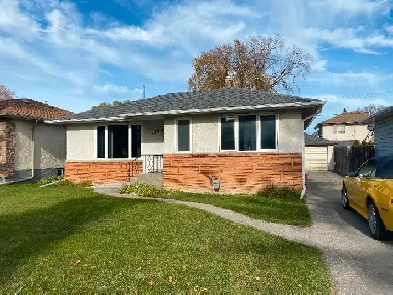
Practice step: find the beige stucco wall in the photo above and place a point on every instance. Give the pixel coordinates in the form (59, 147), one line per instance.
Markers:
(49, 145)
(205, 133)
(23, 145)
(352, 132)
(290, 132)
(153, 137)
(81, 142)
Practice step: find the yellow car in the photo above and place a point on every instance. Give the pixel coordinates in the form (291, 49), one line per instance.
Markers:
(369, 191)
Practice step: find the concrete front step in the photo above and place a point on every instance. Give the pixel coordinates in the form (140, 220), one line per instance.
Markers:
(150, 178)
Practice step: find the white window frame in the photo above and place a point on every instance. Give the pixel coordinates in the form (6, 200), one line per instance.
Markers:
(235, 131)
(106, 137)
(176, 134)
(336, 129)
(258, 132)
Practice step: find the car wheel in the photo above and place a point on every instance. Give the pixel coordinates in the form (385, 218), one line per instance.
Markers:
(375, 223)
(344, 198)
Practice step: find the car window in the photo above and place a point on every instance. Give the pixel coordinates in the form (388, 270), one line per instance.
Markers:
(367, 170)
(385, 171)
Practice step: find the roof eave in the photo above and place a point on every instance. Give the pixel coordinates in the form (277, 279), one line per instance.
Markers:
(90, 120)
(227, 109)
(190, 111)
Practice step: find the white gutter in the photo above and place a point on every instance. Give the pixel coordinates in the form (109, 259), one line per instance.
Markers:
(303, 193)
(192, 111)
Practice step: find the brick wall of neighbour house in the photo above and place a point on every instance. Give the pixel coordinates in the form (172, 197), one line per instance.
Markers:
(7, 148)
(240, 172)
(100, 171)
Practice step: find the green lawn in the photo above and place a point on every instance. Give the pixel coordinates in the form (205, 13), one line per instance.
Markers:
(59, 239)
(279, 210)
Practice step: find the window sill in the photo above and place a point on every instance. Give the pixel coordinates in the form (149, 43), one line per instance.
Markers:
(105, 160)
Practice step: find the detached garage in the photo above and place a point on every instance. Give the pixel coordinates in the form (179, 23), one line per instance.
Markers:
(318, 153)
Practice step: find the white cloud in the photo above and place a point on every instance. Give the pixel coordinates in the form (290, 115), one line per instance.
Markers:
(319, 65)
(351, 104)
(352, 6)
(351, 79)
(112, 88)
(50, 38)
(350, 38)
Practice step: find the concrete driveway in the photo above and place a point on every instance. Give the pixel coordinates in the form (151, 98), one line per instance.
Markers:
(359, 264)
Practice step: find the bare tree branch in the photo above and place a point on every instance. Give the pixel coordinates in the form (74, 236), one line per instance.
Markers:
(371, 109)
(6, 93)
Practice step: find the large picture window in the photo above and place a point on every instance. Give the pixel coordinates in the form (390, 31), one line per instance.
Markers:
(228, 133)
(117, 141)
(120, 141)
(183, 135)
(248, 132)
(268, 132)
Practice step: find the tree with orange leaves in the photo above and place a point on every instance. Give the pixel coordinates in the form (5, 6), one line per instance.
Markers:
(260, 62)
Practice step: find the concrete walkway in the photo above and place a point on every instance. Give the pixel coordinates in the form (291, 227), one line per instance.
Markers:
(358, 264)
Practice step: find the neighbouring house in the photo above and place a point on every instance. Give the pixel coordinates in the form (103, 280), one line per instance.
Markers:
(319, 153)
(345, 128)
(382, 125)
(245, 138)
(29, 147)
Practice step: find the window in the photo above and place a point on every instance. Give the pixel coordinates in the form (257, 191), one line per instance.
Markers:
(339, 129)
(117, 141)
(385, 171)
(101, 142)
(247, 133)
(367, 169)
(183, 135)
(228, 133)
(268, 132)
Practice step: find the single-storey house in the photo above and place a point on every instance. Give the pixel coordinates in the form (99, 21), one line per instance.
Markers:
(30, 148)
(319, 153)
(243, 137)
(382, 125)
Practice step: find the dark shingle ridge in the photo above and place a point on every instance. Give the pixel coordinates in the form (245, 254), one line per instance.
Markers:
(182, 101)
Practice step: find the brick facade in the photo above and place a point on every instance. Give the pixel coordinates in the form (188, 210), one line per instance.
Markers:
(7, 148)
(100, 171)
(237, 172)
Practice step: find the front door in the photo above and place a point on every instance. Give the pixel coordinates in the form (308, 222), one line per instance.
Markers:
(136, 132)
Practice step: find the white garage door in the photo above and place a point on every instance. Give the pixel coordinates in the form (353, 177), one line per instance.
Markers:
(316, 158)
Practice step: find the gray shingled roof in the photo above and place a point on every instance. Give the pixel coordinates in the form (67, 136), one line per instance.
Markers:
(314, 140)
(182, 101)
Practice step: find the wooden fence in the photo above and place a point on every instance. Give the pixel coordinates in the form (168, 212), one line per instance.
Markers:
(350, 158)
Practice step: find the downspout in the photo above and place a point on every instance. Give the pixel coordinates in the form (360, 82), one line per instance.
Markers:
(303, 193)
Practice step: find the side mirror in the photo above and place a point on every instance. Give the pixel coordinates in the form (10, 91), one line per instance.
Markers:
(351, 174)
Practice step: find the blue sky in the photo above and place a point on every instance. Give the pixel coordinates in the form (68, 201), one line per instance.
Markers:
(75, 54)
